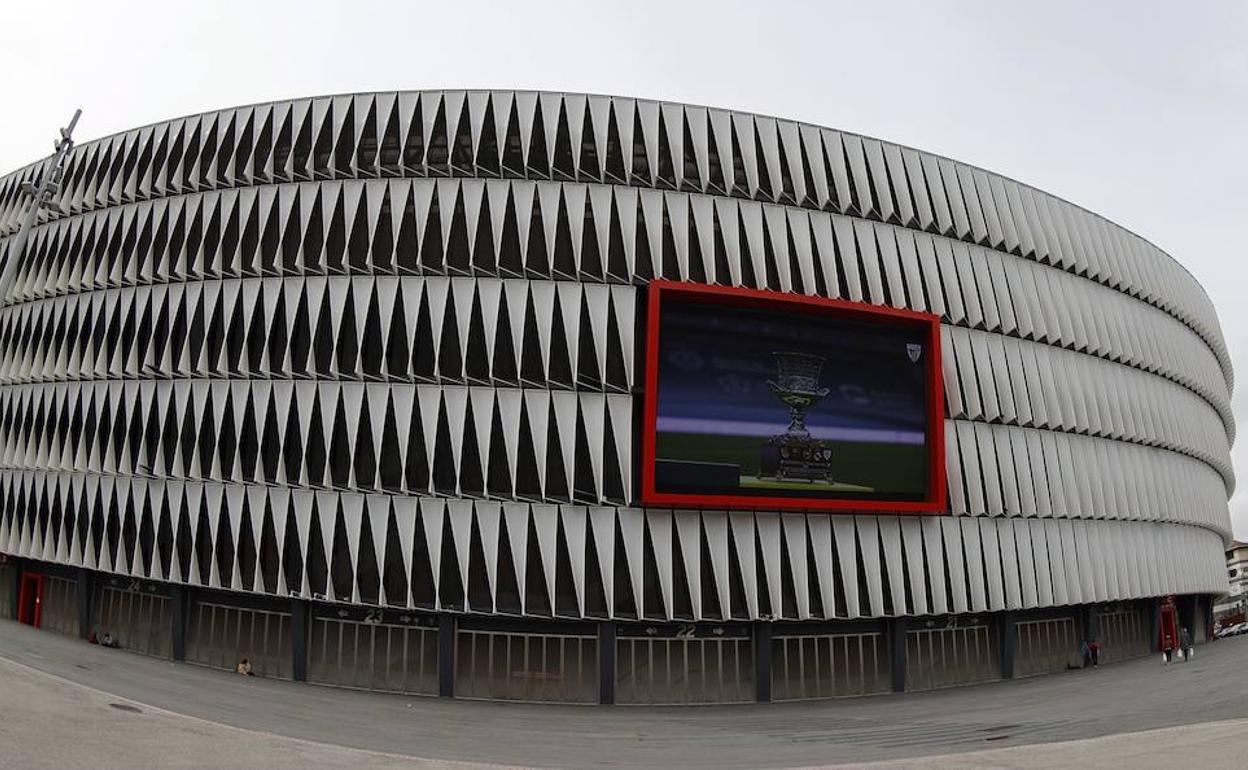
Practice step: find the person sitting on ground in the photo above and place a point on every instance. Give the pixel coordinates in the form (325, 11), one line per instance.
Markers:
(244, 668)
(107, 640)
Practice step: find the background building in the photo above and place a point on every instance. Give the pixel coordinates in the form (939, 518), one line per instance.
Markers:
(352, 386)
(1230, 608)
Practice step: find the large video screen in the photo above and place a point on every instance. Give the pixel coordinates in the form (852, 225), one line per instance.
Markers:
(789, 402)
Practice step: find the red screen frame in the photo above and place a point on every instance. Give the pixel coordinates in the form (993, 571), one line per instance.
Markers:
(933, 502)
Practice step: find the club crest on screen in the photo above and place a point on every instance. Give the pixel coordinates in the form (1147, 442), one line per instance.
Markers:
(913, 351)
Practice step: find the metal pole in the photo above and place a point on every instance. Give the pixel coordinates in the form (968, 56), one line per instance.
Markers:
(42, 195)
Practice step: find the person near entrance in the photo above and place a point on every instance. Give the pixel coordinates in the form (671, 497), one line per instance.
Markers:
(1185, 643)
(1090, 652)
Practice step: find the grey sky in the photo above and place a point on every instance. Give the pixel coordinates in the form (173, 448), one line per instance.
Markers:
(1135, 110)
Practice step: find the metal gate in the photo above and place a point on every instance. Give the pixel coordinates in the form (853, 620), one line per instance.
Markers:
(60, 605)
(951, 656)
(374, 656)
(685, 669)
(1124, 632)
(1045, 646)
(138, 620)
(219, 636)
(1199, 629)
(505, 665)
(829, 666)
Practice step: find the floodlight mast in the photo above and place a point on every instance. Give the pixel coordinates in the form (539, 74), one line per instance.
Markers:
(42, 195)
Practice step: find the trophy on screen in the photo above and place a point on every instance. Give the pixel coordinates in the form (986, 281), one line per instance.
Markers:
(794, 454)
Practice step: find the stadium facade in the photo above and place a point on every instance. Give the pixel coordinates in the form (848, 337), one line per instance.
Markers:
(356, 387)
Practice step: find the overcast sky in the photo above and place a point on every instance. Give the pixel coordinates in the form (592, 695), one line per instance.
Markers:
(1135, 110)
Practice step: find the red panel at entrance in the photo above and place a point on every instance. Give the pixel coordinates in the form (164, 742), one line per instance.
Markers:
(30, 600)
(1169, 638)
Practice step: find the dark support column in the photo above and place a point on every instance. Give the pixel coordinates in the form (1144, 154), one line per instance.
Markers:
(1009, 638)
(446, 656)
(16, 591)
(1155, 643)
(1091, 624)
(762, 661)
(897, 645)
(606, 662)
(86, 595)
(179, 596)
(300, 615)
(1207, 608)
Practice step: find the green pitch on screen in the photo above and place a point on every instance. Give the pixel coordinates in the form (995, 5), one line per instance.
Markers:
(754, 482)
(880, 467)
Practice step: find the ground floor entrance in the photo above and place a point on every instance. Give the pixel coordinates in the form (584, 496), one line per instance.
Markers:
(30, 599)
(422, 651)
(1120, 698)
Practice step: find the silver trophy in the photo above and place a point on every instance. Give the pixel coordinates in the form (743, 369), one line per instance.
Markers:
(794, 454)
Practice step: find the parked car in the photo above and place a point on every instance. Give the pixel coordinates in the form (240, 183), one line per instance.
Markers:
(1235, 629)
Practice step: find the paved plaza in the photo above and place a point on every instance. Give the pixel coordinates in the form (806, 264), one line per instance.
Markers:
(66, 703)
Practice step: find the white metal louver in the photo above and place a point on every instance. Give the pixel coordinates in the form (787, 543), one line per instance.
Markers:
(454, 343)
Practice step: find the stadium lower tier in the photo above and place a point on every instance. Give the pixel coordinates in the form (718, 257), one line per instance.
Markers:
(415, 652)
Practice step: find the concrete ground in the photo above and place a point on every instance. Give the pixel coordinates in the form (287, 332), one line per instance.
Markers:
(49, 722)
(66, 703)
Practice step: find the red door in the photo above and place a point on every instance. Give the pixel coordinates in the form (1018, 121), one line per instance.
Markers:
(1169, 625)
(30, 600)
